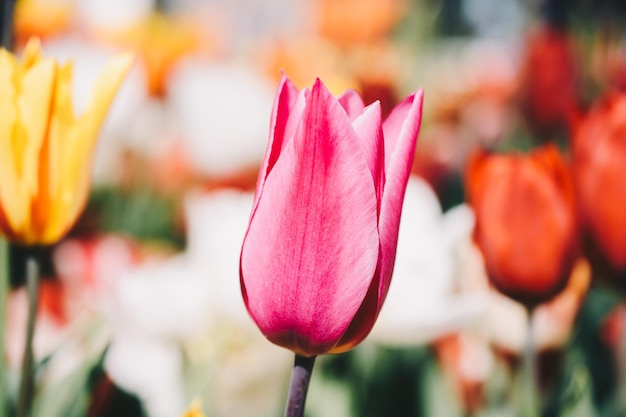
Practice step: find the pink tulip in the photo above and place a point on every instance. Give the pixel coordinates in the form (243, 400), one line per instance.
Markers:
(318, 255)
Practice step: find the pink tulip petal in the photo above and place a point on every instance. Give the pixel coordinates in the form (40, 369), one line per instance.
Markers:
(352, 102)
(311, 249)
(295, 115)
(368, 127)
(398, 120)
(286, 96)
(363, 321)
(401, 129)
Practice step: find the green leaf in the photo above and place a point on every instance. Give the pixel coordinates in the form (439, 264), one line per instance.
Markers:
(70, 396)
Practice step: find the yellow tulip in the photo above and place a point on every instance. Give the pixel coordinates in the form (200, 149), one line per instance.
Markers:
(45, 150)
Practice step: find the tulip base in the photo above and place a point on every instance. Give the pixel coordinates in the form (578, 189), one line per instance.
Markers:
(299, 385)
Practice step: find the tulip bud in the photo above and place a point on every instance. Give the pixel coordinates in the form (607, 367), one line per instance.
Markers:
(526, 224)
(319, 251)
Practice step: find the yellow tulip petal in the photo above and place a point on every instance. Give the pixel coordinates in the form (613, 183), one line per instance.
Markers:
(62, 123)
(105, 89)
(79, 145)
(63, 107)
(12, 200)
(32, 53)
(26, 138)
(76, 140)
(34, 106)
(59, 190)
(70, 190)
(8, 95)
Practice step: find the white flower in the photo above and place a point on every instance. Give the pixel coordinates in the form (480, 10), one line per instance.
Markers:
(216, 224)
(191, 306)
(223, 112)
(423, 301)
(157, 308)
(111, 14)
(151, 369)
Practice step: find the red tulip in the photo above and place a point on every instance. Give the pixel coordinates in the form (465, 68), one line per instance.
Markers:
(550, 80)
(319, 251)
(600, 177)
(526, 224)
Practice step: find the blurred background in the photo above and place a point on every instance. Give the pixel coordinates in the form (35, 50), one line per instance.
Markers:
(140, 308)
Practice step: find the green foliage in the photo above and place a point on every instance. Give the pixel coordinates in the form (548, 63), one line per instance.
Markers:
(139, 212)
(74, 394)
(580, 380)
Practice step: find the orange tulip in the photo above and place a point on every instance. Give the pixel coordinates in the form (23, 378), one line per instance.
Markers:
(526, 223)
(41, 18)
(599, 151)
(160, 43)
(356, 21)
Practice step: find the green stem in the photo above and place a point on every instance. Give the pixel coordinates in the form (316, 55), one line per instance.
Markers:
(620, 359)
(531, 403)
(27, 382)
(299, 385)
(4, 295)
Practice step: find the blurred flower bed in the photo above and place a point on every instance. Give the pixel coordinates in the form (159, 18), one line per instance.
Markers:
(140, 305)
